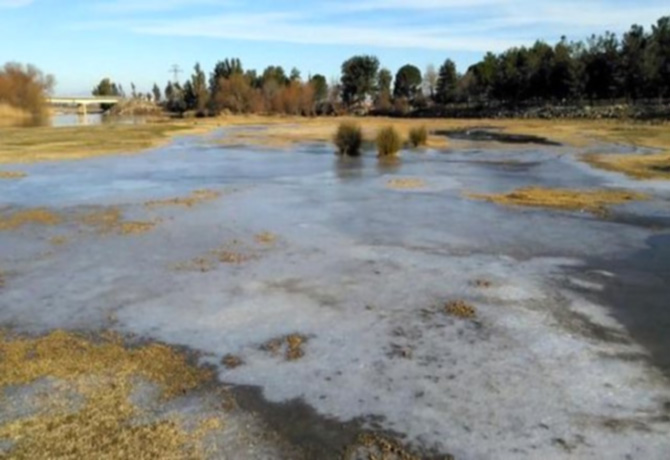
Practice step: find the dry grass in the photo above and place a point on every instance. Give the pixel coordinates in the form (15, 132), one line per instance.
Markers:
(461, 309)
(12, 175)
(58, 240)
(232, 253)
(110, 220)
(38, 216)
(371, 446)
(389, 141)
(406, 184)
(282, 132)
(196, 197)
(594, 201)
(637, 166)
(107, 423)
(28, 145)
(232, 361)
(267, 238)
(290, 346)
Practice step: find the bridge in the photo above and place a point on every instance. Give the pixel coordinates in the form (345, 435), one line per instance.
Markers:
(84, 102)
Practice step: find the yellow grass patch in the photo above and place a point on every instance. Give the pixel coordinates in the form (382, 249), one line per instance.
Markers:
(37, 216)
(196, 197)
(461, 309)
(595, 201)
(28, 145)
(405, 184)
(232, 361)
(637, 166)
(290, 346)
(372, 446)
(110, 220)
(12, 175)
(106, 424)
(266, 238)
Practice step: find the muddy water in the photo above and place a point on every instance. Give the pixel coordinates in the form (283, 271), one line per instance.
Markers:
(568, 339)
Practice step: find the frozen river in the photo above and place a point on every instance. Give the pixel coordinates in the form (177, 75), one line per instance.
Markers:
(568, 356)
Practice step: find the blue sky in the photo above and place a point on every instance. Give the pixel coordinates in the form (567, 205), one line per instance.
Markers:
(82, 41)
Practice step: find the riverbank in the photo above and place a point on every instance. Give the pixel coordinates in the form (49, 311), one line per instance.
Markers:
(29, 145)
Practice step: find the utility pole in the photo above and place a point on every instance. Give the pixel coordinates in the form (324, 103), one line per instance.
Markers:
(175, 70)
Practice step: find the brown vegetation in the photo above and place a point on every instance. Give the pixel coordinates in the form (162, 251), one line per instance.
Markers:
(37, 216)
(461, 309)
(348, 139)
(12, 175)
(24, 88)
(418, 136)
(290, 346)
(21, 145)
(372, 446)
(405, 184)
(594, 201)
(110, 220)
(196, 197)
(103, 375)
(388, 141)
(236, 94)
(232, 361)
(637, 166)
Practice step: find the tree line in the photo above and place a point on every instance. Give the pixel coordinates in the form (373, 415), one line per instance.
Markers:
(604, 67)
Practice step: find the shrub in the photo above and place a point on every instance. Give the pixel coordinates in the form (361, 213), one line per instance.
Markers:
(348, 139)
(388, 141)
(418, 136)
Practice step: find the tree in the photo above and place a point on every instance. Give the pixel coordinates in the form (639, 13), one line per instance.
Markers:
(447, 83)
(563, 79)
(407, 82)
(174, 98)
(430, 81)
(234, 94)
(156, 93)
(601, 67)
(106, 88)
(133, 90)
(224, 70)
(25, 88)
(275, 73)
(320, 86)
(196, 91)
(358, 79)
(658, 57)
(384, 80)
(633, 48)
(295, 75)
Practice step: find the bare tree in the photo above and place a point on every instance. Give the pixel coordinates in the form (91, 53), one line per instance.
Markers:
(430, 81)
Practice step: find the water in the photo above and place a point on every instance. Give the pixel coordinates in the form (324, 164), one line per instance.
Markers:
(363, 271)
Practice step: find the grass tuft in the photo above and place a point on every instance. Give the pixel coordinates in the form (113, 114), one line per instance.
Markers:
(389, 141)
(418, 136)
(594, 201)
(348, 139)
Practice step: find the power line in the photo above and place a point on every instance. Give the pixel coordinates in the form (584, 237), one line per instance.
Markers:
(176, 70)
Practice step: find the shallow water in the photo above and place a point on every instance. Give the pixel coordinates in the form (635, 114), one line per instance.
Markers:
(552, 362)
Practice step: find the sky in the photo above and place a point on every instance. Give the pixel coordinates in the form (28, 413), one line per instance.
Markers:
(82, 41)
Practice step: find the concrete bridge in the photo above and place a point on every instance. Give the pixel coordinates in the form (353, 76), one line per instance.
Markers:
(84, 102)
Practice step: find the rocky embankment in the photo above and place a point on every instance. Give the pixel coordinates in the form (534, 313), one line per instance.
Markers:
(548, 112)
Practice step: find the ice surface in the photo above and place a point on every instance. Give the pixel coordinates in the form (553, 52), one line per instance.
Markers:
(363, 272)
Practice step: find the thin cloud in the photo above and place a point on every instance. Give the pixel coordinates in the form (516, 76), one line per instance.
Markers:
(443, 25)
(14, 3)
